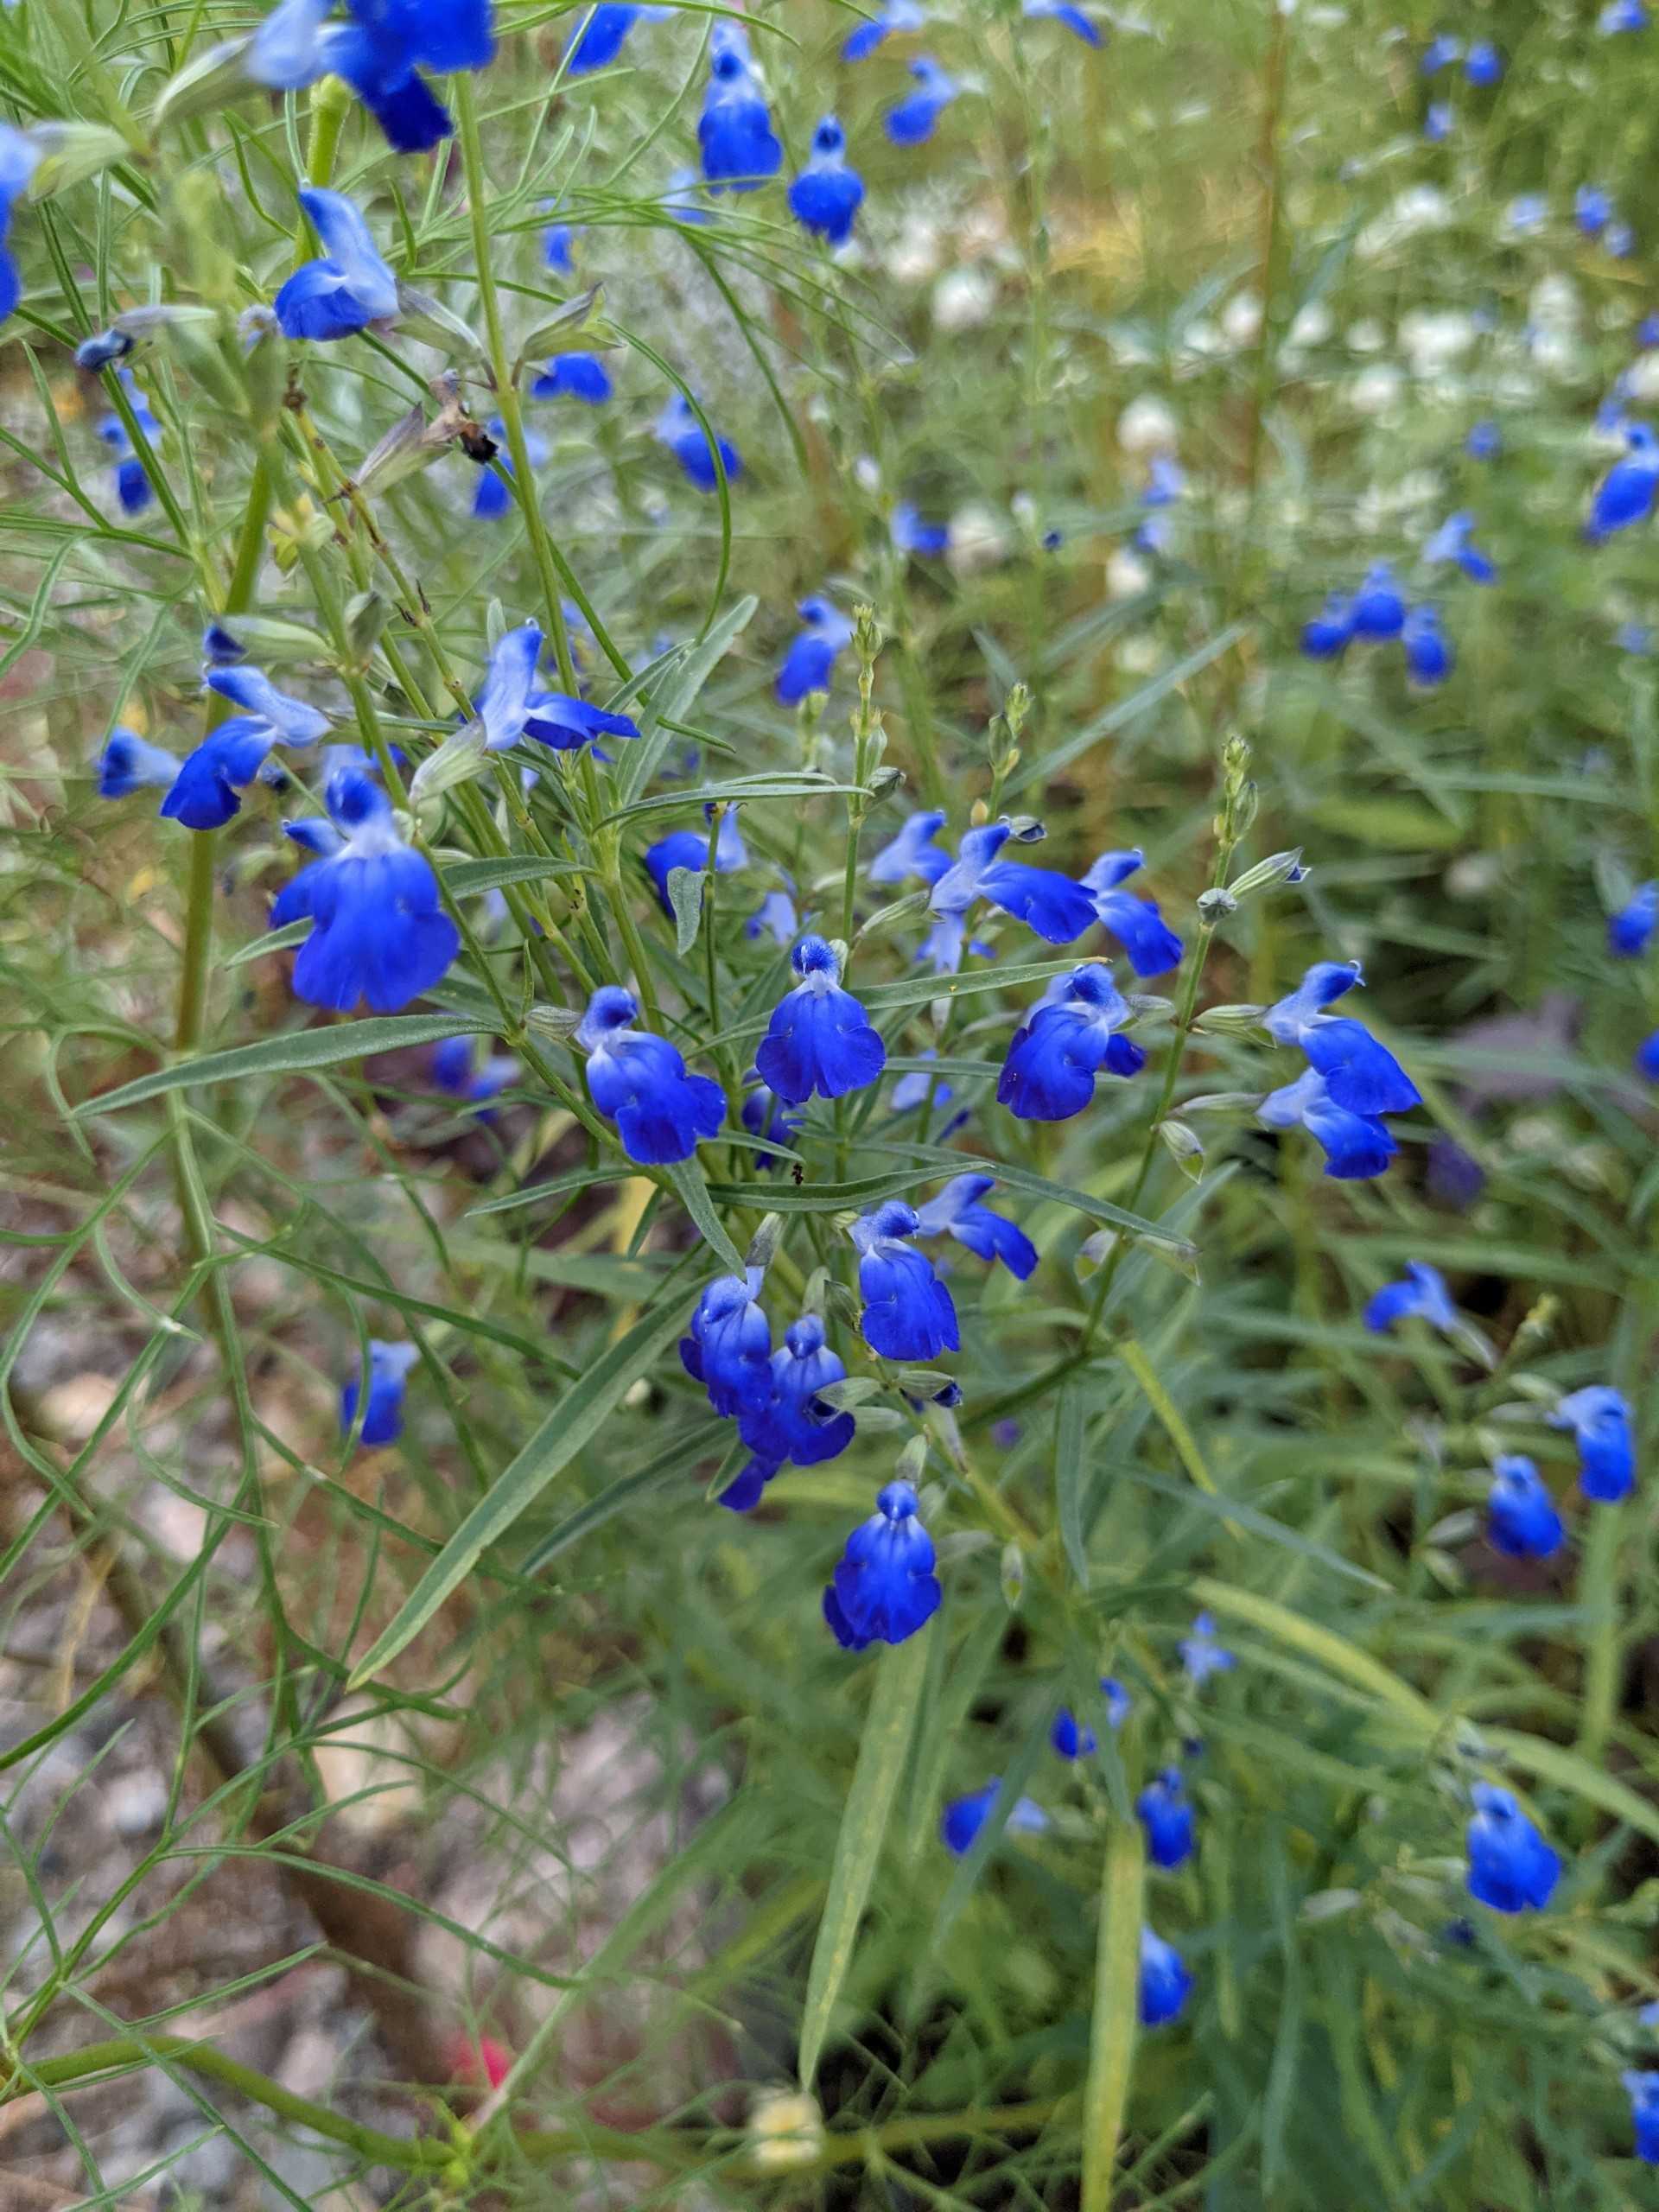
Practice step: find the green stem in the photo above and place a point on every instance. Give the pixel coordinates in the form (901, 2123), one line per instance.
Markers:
(1598, 1594)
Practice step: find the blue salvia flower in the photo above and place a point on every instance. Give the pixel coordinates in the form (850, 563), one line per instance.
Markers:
(894, 15)
(775, 917)
(127, 763)
(1439, 122)
(956, 1212)
(207, 790)
(809, 665)
(1455, 541)
(1165, 1980)
(252, 691)
(132, 483)
(912, 857)
(1058, 909)
(678, 428)
(1631, 930)
(383, 1414)
(1361, 1075)
(912, 1090)
(220, 646)
(819, 1038)
(1526, 213)
(455, 1069)
(1619, 238)
(739, 148)
(1062, 11)
(1063, 1043)
(908, 1313)
(103, 348)
(557, 242)
(19, 156)
(681, 199)
(1165, 1813)
(1152, 946)
(728, 1349)
(825, 197)
(378, 930)
(686, 849)
(1441, 52)
(1625, 494)
(964, 1817)
(1483, 64)
(884, 1587)
(639, 1081)
(1599, 1418)
(1484, 442)
(1642, 2088)
(1521, 1522)
(348, 289)
(1423, 1295)
(766, 1115)
(602, 36)
(1378, 611)
(1647, 1058)
(491, 497)
(795, 1424)
(1201, 1654)
(1634, 638)
(379, 52)
(574, 375)
(1621, 15)
(911, 534)
(910, 122)
(1326, 635)
(1356, 1145)
(511, 707)
(1072, 1740)
(1512, 1868)
(1592, 210)
(1429, 656)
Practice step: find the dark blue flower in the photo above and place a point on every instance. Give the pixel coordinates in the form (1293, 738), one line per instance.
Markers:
(511, 708)
(378, 930)
(1439, 122)
(1599, 1418)
(379, 52)
(1378, 611)
(1441, 52)
(207, 791)
(908, 1313)
(491, 497)
(884, 1588)
(809, 663)
(1326, 636)
(912, 1091)
(766, 1115)
(574, 375)
(740, 148)
(1454, 541)
(557, 240)
(601, 36)
(1647, 1058)
(132, 483)
(127, 763)
(910, 122)
(1592, 210)
(893, 15)
(911, 534)
(912, 857)
(964, 1817)
(1521, 1520)
(1484, 442)
(678, 428)
(455, 1069)
(19, 155)
(795, 1424)
(1062, 11)
(639, 1081)
(1163, 1811)
(1202, 1655)
(1625, 495)
(251, 689)
(346, 289)
(1356, 1145)
(686, 849)
(775, 917)
(1642, 2088)
(956, 1212)
(1066, 1040)
(1165, 1980)
(1423, 1295)
(1361, 1076)
(1072, 1738)
(825, 197)
(1058, 909)
(819, 1038)
(383, 1415)
(1512, 1868)
(729, 1347)
(1629, 930)
(1152, 946)
(1429, 656)
(1483, 64)
(1621, 15)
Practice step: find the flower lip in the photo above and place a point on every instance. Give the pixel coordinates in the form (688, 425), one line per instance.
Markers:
(813, 956)
(610, 1008)
(897, 1501)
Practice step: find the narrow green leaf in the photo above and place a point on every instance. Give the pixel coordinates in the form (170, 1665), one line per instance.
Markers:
(1331, 1651)
(687, 1179)
(273, 941)
(1070, 1479)
(555, 1186)
(616, 1496)
(685, 896)
(575, 1420)
(292, 1053)
(463, 878)
(1117, 1992)
(672, 700)
(882, 1754)
(1047, 765)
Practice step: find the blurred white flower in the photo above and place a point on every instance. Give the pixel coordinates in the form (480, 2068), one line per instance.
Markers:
(1241, 320)
(1432, 339)
(1147, 425)
(786, 2130)
(1127, 574)
(1641, 378)
(1311, 325)
(1558, 353)
(1553, 303)
(867, 472)
(1202, 337)
(1140, 655)
(977, 540)
(1419, 208)
(1366, 336)
(915, 255)
(963, 298)
(1377, 390)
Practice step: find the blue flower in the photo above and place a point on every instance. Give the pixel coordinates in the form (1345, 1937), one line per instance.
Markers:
(127, 763)
(379, 52)
(956, 1212)
(492, 498)
(511, 708)
(795, 1424)
(1599, 1418)
(1521, 1520)
(1361, 1076)
(1592, 210)
(825, 197)
(557, 240)
(383, 1416)
(1062, 11)
(912, 1090)
(1439, 53)
(1484, 442)
(678, 428)
(1629, 930)
(910, 122)
(252, 691)
(908, 1313)
(207, 791)
(912, 857)
(819, 1038)
(378, 930)
(1163, 1811)
(1439, 122)
(1619, 240)
(809, 664)
(1621, 15)
(1356, 1145)
(893, 15)
(1326, 636)
(686, 849)
(132, 483)
(884, 1587)
(740, 148)
(639, 1081)
(1527, 213)
(775, 917)
(574, 375)
(1455, 541)
(349, 288)
(911, 535)
(1066, 1040)
(766, 1115)
(1152, 947)
(1202, 1655)
(1625, 495)
(1165, 1980)
(1512, 1868)
(1378, 611)
(1482, 65)
(1058, 909)
(454, 1069)
(1647, 1058)
(1642, 2088)
(729, 1347)
(1072, 1739)
(602, 37)
(1429, 656)
(1423, 1294)
(18, 157)
(964, 1817)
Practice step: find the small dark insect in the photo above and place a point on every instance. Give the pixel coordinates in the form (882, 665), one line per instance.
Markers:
(798, 1174)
